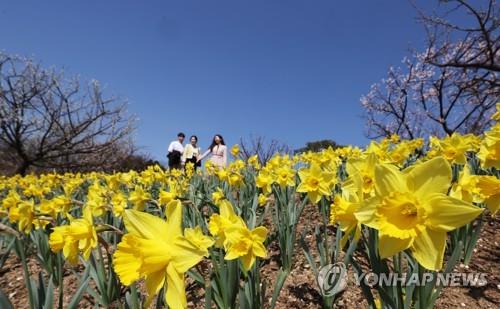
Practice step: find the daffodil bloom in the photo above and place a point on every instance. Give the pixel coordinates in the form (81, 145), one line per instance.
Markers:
(59, 204)
(119, 202)
(489, 189)
(235, 150)
(254, 162)
(489, 151)
(262, 199)
(453, 148)
(245, 244)
(11, 200)
(166, 197)
(219, 223)
(222, 174)
(196, 237)
(411, 210)
(218, 196)
(365, 167)
(344, 207)
(96, 199)
(264, 181)
(79, 235)
(285, 176)
(235, 179)
(466, 188)
(139, 197)
(156, 250)
(24, 215)
(315, 182)
(400, 153)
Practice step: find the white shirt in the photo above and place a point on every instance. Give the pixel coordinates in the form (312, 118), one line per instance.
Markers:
(175, 145)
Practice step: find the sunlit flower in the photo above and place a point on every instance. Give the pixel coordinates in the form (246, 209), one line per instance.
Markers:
(245, 244)
(157, 251)
(412, 211)
(139, 197)
(315, 182)
(235, 150)
(79, 236)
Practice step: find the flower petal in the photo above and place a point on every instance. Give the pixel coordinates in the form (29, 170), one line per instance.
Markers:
(127, 261)
(389, 179)
(388, 246)
(144, 225)
(248, 260)
(259, 249)
(445, 213)
(176, 292)
(154, 283)
(366, 212)
(259, 234)
(185, 255)
(433, 176)
(428, 249)
(174, 218)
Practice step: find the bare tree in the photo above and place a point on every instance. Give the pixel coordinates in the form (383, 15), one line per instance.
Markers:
(50, 122)
(450, 87)
(257, 145)
(459, 46)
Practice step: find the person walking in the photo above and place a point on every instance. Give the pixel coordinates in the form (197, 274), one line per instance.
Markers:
(175, 151)
(218, 150)
(191, 152)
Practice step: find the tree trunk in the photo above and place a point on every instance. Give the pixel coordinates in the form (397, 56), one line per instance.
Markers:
(23, 168)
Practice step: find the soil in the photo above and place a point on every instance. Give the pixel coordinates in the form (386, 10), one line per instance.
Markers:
(300, 289)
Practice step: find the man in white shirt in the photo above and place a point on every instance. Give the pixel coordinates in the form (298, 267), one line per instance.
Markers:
(175, 150)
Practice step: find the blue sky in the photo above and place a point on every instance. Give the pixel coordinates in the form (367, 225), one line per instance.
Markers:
(289, 70)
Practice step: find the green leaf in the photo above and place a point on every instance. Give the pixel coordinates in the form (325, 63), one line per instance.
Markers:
(49, 297)
(81, 290)
(4, 301)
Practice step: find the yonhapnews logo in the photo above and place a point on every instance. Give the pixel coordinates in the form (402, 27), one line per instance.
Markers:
(332, 279)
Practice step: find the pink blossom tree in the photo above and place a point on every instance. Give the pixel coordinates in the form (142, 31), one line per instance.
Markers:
(452, 86)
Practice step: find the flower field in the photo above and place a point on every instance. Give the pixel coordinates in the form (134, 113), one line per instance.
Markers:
(141, 239)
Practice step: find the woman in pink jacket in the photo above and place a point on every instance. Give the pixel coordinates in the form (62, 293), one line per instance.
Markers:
(218, 151)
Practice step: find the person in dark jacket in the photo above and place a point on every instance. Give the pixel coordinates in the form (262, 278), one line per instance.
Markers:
(175, 150)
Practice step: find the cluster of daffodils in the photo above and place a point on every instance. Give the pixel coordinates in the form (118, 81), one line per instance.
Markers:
(410, 194)
(232, 233)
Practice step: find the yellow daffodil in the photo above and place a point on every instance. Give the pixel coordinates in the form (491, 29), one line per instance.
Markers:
(315, 182)
(166, 197)
(119, 202)
(262, 199)
(254, 162)
(489, 151)
(264, 181)
(344, 207)
(79, 236)
(218, 196)
(411, 210)
(245, 244)
(157, 250)
(466, 187)
(285, 176)
(200, 240)
(489, 189)
(235, 150)
(139, 197)
(219, 223)
(365, 167)
(454, 148)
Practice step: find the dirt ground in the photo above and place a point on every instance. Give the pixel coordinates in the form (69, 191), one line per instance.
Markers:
(300, 289)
